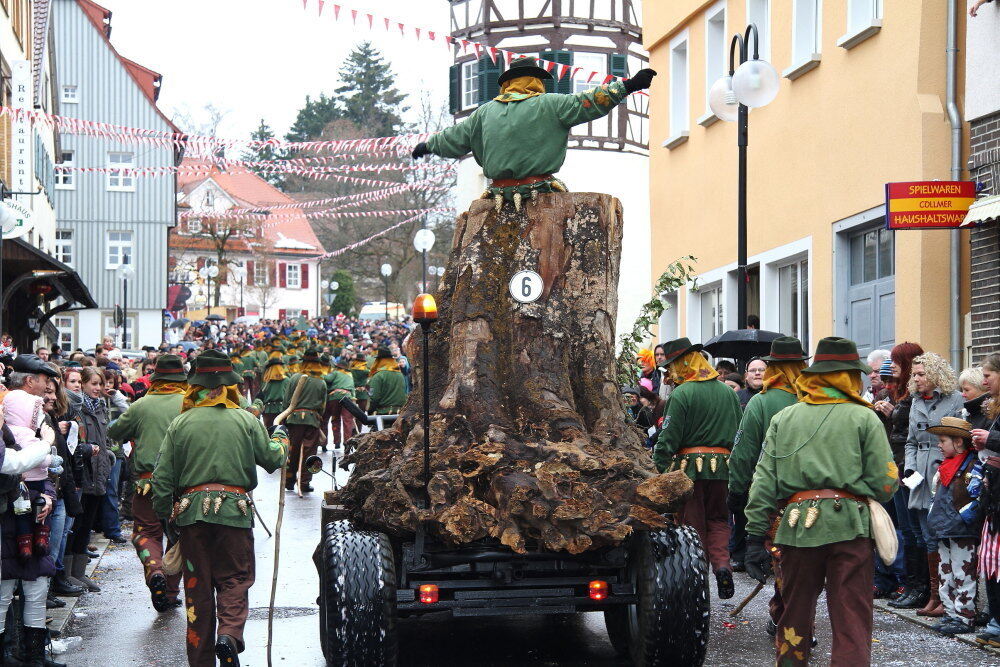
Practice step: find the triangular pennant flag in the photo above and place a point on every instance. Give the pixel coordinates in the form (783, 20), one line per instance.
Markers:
(562, 71)
(320, 7)
(386, 21)
(576, 70)
(431, 35)
(591, 77)
(417, 31)
(493, 54)
(465, 46)
(371, 21)
(336, 12)
(478, 48)
(449, 41)
(402, 29)
(354, 16)
(609, 79)
(304, 3)
(509, 57)
(547, 65)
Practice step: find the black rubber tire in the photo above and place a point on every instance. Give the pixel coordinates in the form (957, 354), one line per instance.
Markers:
(670, 623)
(357, 600)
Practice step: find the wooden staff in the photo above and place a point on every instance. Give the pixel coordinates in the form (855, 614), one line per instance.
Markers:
(746, 600)
(281, 514)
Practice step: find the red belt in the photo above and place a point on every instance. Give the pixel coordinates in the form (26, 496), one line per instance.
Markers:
(702, 450)
(511, 182)
(820, 494)
(145, 475)
(215, 487)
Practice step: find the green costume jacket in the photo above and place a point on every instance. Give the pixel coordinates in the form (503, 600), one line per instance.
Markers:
(144, 423)
(526, 136)
(272, 395)
(312, 401)
(750, 438)
(360, 376)
(239, 367)
(698, 414)
(388, 391)
(339, 385)
(214, 445)
(810, 447)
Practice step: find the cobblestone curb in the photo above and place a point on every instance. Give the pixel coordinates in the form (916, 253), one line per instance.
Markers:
(61, 617)
(911, 616)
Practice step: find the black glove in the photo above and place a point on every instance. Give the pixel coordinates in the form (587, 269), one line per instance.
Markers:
(737, 502)
(758, 560)
(359, 415)
(420, 150)
(640, 81)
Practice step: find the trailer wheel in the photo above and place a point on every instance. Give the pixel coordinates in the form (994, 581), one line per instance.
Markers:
(669, 624)
(357, 598)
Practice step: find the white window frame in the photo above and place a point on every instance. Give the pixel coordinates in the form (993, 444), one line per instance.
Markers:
(120, 249)
(66, 179)
(193, 226)
(864, 20)
(470, 84)
(115, 332)
(293, 313)
(716, 53)
(64, 246)
(260, 274)
(680, 90)
(807, 37)
(670, 324)
(802, 305)
(589, 62)
(704, 296)
(289, 283)
(759, 12)
(65, 326)
(117, 162)
(70, 94)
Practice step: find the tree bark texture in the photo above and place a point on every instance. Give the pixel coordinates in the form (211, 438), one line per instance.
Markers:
(529, 439)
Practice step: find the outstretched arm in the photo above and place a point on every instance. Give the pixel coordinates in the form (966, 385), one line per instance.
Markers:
(597, 102)
(453, 142)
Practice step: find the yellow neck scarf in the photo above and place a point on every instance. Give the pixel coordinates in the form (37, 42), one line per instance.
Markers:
(359, 366)
(276, 372)
(520, 88)
(167, 387)
(384, 365)
(782, 375)
(827, 388)
(691, 367)
(196, 396)
(274, 354)
(313, 369)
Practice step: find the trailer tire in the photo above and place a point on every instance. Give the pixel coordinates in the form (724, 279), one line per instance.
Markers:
(357, 600)
(669, 623)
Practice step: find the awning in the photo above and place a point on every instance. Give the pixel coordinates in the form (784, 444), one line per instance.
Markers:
(983, 210)
(29, 264)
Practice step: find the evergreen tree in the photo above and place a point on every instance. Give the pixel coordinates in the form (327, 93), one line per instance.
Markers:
(263, 153)
(346, 300)
(368, 96)
(313, 118)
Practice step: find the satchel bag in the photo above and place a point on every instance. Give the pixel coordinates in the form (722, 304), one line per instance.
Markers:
(883, 532)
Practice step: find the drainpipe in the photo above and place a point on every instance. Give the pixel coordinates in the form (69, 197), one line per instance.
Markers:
(955, 119)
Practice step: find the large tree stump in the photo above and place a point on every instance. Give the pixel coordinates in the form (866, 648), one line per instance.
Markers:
(529, 439)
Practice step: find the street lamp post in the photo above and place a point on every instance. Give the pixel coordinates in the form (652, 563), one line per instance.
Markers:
(125, 272)
(425, 314)
(386, 272)
(754, 83)
(319, 293)
(423, 241)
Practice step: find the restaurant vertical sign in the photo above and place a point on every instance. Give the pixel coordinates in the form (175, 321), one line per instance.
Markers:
(21, 144)
(928, 204)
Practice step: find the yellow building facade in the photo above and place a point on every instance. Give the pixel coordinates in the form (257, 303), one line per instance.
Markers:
(861, 103)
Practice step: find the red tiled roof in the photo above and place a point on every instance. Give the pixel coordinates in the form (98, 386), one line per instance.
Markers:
(250, 190)
(147, 80)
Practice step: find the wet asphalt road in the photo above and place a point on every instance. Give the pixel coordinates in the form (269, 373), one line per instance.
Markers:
(119, 627)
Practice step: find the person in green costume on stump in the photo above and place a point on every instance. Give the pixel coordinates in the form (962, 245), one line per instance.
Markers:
(209, 460)
(145, 424)
(823, 458)
(519, 138)
(700, 420)
(784, 366)
(306, 419)
(387, 385)
(272, 391)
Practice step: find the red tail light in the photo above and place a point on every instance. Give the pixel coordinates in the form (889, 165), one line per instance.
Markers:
(428, 593)
(598, 589)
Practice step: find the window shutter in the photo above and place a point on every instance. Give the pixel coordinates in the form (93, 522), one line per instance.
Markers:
(564, 85)
(455, 88)
(281, 313)
(250, 270)
(304, 272)
(305, 314)
(488, 73)
(618, 65)
(281, 274)
(200, 263)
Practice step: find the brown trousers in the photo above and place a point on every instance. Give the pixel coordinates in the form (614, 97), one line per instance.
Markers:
(706, 511)
(303, 442)
(338, 417)
(268, 418)
(847, 572)
(218, 573)
(148, 540)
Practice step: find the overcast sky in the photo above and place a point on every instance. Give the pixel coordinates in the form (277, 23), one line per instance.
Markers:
(260, 58)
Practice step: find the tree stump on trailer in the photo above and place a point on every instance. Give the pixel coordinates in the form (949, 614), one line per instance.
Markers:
(529, 439)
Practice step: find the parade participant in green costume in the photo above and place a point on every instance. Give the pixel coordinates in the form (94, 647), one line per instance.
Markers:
(784, 366)
(145, 423)
(519, 138)
(305, 420)
(272, 390)
(822, 459)
(359, 371)
(340, 385)
(387, 385)
(699, 423)
(209, 460)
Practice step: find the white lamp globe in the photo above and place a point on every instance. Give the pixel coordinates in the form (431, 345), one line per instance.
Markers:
(386, 270)
(334, 285)
(423, 240)
(755, 83)
(722, 101)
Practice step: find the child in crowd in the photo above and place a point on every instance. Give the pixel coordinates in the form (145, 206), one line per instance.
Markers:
(954, 519)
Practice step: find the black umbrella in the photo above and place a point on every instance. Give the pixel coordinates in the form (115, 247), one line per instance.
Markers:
(741, 344)
(177, 324)
(216, 318)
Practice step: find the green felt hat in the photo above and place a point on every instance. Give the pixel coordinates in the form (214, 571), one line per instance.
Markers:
(678, 348)
(526, 66)
(342, 362)
(212, 369)
(276, 361)
(786, 348)
(312, 354)
(168, 367)
(836, 354)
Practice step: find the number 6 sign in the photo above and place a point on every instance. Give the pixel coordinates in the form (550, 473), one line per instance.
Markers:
(526, 286)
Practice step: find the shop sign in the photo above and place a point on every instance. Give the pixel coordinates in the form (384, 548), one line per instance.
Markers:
(928, 204)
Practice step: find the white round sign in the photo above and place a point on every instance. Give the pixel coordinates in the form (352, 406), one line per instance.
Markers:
(16, 218)
(526, 286)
